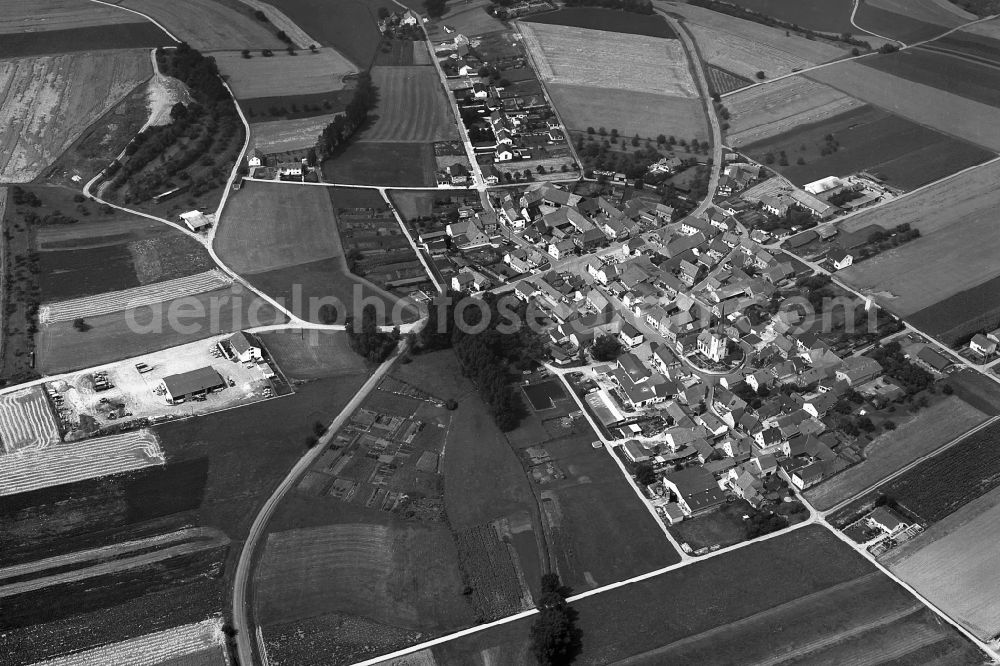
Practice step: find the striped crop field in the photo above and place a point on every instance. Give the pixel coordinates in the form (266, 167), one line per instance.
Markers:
(201, 643)
(59, 464)
(26, 421)
(149, 294)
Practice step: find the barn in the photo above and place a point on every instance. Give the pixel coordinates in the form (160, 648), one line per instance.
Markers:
(196, 382)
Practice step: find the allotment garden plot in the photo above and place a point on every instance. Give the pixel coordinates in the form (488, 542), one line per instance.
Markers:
(73, 89)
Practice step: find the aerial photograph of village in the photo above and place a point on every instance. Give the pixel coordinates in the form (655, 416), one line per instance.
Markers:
(499, 332)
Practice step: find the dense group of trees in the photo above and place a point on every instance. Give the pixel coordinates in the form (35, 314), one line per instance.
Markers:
(634, 6)
(367, 340)
(757, 17)
(197, 132)
(606, 348)
(896, 365)
(487, 351)
(555, 638)
(354, 116)
(436, 8)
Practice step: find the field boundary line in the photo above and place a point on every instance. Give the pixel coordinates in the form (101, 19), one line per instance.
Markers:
(145, 16)
(854, 11)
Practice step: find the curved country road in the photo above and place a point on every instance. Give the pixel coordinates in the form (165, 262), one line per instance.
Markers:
(242, 612)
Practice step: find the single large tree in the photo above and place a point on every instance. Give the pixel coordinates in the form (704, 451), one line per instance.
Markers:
(555, 639)
(606, 348)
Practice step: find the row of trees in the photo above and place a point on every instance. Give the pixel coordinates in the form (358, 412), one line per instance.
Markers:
(634, 6)
(354, 116)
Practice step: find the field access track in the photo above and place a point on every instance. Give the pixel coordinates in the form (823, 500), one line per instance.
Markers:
(59, 464)
(149, 294)
(26, 421)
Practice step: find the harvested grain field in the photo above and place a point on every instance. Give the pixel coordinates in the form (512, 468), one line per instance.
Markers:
(989, 28)
(199, 644)
(48, 102)
(278, 136)
(940, 12)
(745, 47)
(158, 292)
(891, 451)
(765, 111)
(45, 15)
(26, 421)
(284, 74)
(965, 118)
(411, 107)
(954, 564)
(580, 56)
(75, 461)
(281, 21)
(207, 25)
(645, 114)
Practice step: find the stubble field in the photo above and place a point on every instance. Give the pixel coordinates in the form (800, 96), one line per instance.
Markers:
(49, 101)
(602, 59)
(208, 25)
(277, 136)
(283, 74)
(44, 15)
(772, 109)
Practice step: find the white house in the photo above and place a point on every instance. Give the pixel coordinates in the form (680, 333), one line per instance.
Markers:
(840, 259)
(243, 349)
(982, 345)
(196, 220)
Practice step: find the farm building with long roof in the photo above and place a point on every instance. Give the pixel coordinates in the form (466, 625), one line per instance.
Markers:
(193, 382)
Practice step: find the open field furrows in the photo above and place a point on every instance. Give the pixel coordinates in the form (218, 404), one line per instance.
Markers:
(646, 114)
(75, 461)
(411, 107)
(44, 15)
(47, 102)
(891, 451)
(401, 575)
(150, 294)
(283, 23)
(200, 644)
(906, 155)
(609, 59)
(116, 562)
(898, 25)
(490, 572)
(940, 12)
(956, 74)
(745, 47)
(833, 16)
(720, 81)
(278, 136)
(26, 421)
(611, 20)
(137, 331)
(956, 251)
(352, 29)
(207, 25)
(983, 50)
(274, 225)
(772, 109)
(808, 580)
(959, 116)
(284, 74)
(962, 314)
(965, 540)
(143, 35)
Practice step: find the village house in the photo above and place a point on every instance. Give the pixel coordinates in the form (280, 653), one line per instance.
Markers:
(840, 259)
(983, 345)
(695, 490)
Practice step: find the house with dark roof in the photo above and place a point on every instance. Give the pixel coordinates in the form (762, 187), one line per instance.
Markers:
(696, 489)
(193, 383)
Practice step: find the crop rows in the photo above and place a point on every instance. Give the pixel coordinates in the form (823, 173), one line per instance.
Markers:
(153, 648)
(26, 420)
(489, 571)
(949, 481)
(722, 82)
(150, 294)
(87, 459)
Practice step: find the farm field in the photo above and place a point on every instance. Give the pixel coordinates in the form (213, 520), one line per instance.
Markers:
(962, 540)
(26, 421)
(833, 16)
(958, 116)
(283, 74)
(889, 452)
(842, 610)
(977, 390)
(914, 22)
(940, 12)
(745, 48)
(208, 25)
(647, 114)
(411, 107)
(953, 74)
(299, 37)
(961, 314)
(905, 154)
(383, 163)
(990, 29)
(352, 29)
(282, 135)
(939, 264)
(76, 89)
(48, 15)
(146, 329)
(610, 20)
(722, 82)
(966, 44)
(773, 109)
(579, 56)
(260, 110)
(304, 355)
(466, 18)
